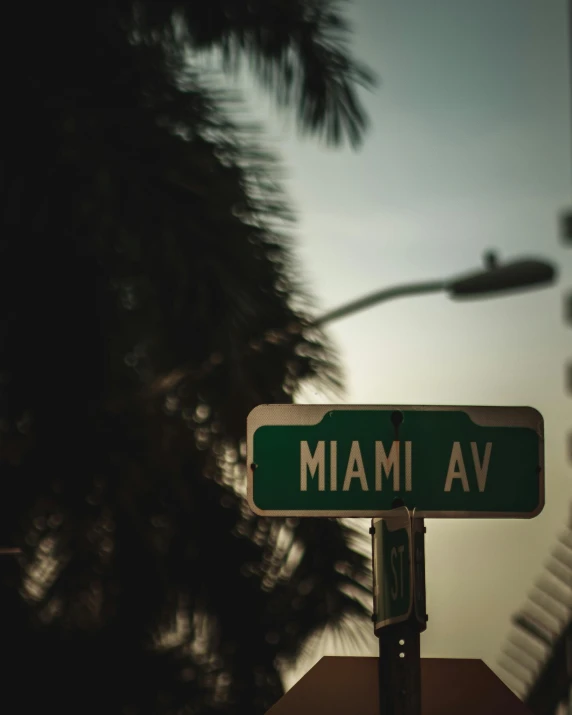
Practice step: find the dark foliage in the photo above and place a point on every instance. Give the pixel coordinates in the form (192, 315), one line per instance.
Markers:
(148, 301)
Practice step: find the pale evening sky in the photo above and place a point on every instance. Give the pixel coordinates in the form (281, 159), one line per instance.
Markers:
(469, 150)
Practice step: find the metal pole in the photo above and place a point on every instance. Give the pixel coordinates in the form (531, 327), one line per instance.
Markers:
(399, 663)
(568, 646)
(400, 669)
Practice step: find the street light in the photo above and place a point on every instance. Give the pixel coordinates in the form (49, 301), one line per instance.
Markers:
(516, 275)
(513, 276)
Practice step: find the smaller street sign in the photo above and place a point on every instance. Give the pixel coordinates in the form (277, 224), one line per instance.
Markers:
(392, 568)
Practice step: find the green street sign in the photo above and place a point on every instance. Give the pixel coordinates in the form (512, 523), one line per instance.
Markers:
(392, 569)
(355, 460)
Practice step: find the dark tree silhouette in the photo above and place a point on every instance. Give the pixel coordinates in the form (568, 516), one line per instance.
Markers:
(149, 300)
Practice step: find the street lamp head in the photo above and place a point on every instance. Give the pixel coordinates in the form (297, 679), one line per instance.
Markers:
(513, 276)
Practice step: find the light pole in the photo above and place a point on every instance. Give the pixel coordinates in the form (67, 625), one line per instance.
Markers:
(399, 689)
(495, 279)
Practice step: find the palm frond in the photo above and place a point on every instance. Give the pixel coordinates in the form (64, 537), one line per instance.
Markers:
(298, 49)
(150, 299)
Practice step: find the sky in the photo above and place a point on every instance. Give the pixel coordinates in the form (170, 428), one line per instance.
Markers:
(468, 151)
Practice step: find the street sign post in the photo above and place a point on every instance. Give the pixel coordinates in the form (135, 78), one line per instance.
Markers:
(398, 465)
(419, 598)
(355, 460)
(399, 608)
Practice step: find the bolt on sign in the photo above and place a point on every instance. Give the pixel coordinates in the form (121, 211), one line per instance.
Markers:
(355, 460)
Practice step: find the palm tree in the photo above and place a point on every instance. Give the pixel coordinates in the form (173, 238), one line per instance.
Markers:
(149, 301)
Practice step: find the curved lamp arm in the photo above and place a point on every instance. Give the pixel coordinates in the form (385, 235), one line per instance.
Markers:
(380, 296)
(497, 278)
